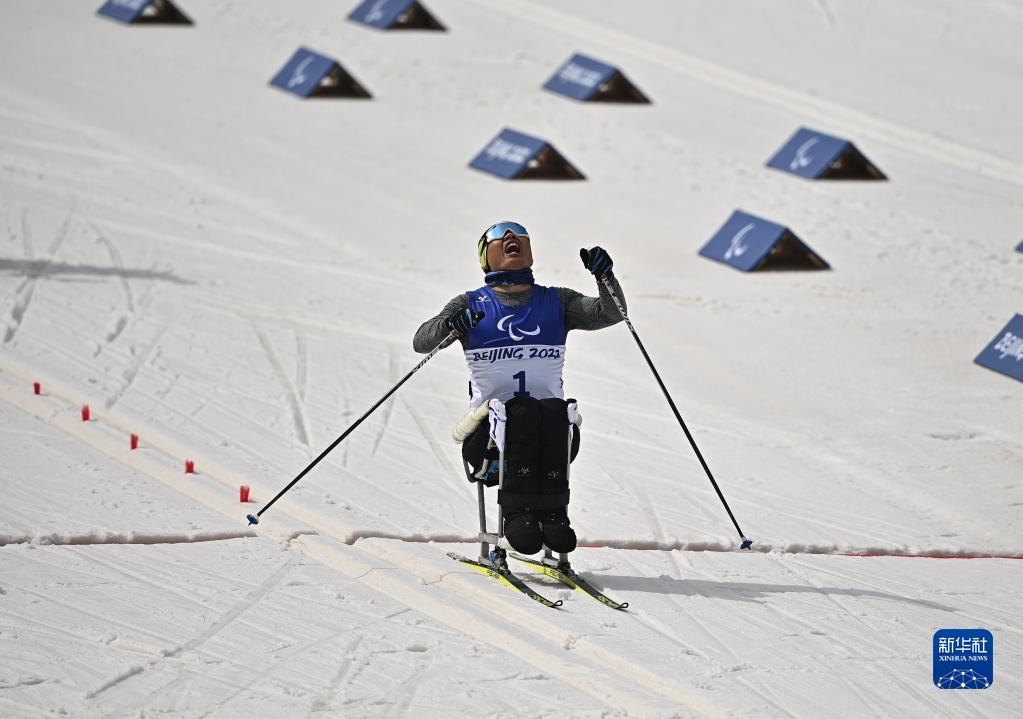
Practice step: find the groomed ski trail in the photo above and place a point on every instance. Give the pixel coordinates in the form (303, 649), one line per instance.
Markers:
(572, 647)
(467, 602)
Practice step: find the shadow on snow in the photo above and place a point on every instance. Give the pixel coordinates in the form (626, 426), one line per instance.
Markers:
(46, 268)
(743, 591)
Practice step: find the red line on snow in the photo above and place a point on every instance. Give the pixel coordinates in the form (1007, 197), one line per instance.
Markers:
(932, 556)
(762, 549)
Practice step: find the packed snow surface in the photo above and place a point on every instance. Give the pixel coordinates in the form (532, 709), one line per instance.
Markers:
(235, 275)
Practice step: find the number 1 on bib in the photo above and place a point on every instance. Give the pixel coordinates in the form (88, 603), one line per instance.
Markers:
(521, 377)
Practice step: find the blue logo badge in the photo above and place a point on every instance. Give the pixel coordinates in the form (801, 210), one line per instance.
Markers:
(964, 659)
(1005, 352)
(580, 78)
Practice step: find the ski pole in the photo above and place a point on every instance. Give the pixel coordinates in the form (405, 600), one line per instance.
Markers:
(746, 541)
(254, 518)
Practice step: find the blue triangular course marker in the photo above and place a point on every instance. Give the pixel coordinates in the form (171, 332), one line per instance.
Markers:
(1004, 353)
(395, 15)
(309, 74)
(1019, 247)
(817, 156)
(587, 80)
(148, 12)
(748, 243)
(515, 156)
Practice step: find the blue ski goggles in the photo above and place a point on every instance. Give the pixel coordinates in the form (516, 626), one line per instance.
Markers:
(497, 232)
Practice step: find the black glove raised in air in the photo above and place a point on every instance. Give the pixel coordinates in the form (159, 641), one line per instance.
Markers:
(597, 261)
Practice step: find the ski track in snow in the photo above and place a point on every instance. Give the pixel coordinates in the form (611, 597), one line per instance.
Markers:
(19, 709)
(122, 320)
(826, 11)
(921, 693)
(53, 146)
(295, 401)
(138, 361)
(910, 688)
(688, 646)
(189, 419)
(505, 608)
(160, 573)
(408, 690)
(24, 293)
(733, 661)
(401, 501)
(195, 644)
(302, 364)
(344, 412)
(448, 471)
(21, 304)
(323, 702)
(102, 618)
(388, 407)
(26, 236)
(36, 626)
(1009, 627)
(64, 232)
(255, 682)
(140, 577)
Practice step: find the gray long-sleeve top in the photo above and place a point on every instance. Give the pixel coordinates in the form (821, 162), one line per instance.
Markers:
(581, 312)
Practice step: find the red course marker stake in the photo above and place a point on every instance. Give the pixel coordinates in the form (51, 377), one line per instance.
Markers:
(134, 441)
(36, 388)
(189, 467)
(244, 492)
(85, 413)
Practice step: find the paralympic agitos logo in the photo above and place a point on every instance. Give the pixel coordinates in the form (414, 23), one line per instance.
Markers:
(509, 323)
(299, 76)
(736, 248)
(803, 156)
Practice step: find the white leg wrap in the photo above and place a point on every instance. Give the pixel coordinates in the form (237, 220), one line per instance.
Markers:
(468, 424)
(498, 423)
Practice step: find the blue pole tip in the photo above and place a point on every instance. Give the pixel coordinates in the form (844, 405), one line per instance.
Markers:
(746, 543)
(253, 519)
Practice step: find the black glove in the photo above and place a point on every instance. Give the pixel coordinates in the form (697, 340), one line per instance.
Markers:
(463, 321)
(597, 261)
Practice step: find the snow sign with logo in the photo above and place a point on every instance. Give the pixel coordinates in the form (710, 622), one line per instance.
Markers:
(817, 156)
(514, 155)
(585, 79)
(963, 659)
(394, 15)
(580, 77)
(747, 242)
(1005, 352)
(143, 11)
(309, 74)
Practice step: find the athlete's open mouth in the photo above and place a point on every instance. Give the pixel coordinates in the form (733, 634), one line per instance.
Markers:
(511, 247)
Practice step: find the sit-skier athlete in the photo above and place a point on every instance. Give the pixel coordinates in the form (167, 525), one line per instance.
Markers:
(513, 333)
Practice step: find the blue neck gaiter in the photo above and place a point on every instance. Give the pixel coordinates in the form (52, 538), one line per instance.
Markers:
(510, 277)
